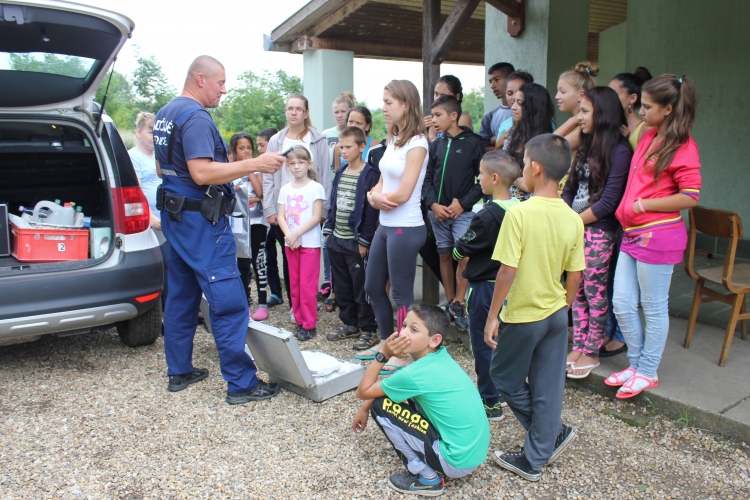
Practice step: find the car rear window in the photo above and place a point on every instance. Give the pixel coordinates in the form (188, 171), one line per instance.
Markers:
(40, 62)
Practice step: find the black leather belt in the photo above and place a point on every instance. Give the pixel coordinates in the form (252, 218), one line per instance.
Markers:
(192, 205)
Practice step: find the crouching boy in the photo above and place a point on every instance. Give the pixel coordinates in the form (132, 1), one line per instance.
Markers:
(430, 410)
(539, 239)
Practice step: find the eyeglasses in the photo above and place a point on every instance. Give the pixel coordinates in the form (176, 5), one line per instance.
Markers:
(295, 110)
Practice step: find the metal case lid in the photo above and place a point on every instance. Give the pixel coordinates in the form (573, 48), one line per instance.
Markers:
(276, 352)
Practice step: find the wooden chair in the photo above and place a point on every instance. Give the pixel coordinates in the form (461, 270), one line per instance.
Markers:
(735, 278)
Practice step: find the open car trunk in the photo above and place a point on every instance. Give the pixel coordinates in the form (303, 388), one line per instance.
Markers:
(46, 161)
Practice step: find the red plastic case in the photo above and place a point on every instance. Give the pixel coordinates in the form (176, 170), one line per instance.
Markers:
(49, 245)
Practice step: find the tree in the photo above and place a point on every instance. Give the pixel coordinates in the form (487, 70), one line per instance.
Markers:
(50, 63)
(120, 105)
(473, 105)
(152, 90)
(378, 130)
(257, 103)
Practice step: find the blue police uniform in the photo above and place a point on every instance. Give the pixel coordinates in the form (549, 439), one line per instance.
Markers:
(203, 255)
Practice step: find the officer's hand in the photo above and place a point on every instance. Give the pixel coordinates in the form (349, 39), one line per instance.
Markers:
(267, 163)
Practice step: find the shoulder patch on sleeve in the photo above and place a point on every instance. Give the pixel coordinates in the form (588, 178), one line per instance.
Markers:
(468, 236)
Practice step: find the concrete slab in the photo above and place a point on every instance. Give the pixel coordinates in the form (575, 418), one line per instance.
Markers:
(741, 412)
(693, 376)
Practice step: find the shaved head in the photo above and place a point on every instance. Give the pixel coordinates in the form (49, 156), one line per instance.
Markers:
(206, 65)
(205, 81)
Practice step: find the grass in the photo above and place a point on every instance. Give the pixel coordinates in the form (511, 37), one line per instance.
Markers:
(685, 418)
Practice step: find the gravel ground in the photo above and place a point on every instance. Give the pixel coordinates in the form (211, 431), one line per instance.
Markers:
(86, 417)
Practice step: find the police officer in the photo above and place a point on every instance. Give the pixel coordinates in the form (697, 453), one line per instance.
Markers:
(194, 203)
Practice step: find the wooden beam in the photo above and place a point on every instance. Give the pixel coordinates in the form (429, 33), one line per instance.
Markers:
(516, 12)
(314, 18)
(430, 69)
(363, 48)
(452, 27)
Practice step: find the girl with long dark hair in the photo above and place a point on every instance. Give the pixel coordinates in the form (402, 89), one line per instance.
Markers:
(628, 87)
(533, 115)
(594, 188)
(665, 178)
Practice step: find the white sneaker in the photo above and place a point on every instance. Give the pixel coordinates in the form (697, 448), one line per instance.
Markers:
(291, 314)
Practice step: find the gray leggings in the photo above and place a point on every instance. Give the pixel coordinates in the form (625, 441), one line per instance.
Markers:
(393, 254)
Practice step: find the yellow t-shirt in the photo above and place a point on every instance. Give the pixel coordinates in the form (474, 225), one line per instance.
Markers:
(541, 238)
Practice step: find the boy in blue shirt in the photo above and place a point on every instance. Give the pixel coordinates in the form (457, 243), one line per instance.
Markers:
(497, 171)
(430, 410)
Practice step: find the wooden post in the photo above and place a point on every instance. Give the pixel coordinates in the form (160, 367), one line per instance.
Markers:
(430, 75)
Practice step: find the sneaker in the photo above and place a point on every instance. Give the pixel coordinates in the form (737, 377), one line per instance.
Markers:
(180, 382)
(274, 300)
(259, 393)
(405, 482)
(515, 461)
(564, 438)
(261, 314)
(297, 331)
(494, 413)
(291, 314)
(325, 289)
(305, 334)
(503, 403)
(366, 340)
(344, 332)
(444, 306)
(459, 315)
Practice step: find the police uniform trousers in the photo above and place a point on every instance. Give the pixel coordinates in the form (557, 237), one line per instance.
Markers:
(203, 259)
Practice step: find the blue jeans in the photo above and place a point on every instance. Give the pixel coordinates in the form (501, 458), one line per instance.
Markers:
(613, 329)
(648, 283)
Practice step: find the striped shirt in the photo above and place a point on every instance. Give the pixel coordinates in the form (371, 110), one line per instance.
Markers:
(345, 197)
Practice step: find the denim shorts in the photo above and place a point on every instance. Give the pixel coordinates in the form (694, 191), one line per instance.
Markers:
(448, 231)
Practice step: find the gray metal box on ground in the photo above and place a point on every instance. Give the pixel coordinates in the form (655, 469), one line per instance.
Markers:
(276, 352)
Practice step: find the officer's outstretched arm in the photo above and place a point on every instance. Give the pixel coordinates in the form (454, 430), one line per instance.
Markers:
(206, 172)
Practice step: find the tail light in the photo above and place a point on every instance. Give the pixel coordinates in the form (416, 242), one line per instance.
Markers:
(131, 210)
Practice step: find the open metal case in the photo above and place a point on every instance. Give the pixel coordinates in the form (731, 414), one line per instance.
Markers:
(276, 352)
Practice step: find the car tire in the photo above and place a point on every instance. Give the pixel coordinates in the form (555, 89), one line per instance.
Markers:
(143, 329)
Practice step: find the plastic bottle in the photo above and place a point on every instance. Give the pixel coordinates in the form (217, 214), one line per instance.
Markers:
(58, 202)
(53, 213)
(79, 217)
(26, 213)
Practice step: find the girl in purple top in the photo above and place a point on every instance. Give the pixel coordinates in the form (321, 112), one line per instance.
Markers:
(594, 188)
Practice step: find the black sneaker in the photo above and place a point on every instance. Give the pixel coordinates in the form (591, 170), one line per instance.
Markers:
(344, 332)
(404, 482)
(262, 391)
(515, 461)
(305, 335)
(494, 413)
(564, 438)
(274, 300)
(180, 382)
(459, 316)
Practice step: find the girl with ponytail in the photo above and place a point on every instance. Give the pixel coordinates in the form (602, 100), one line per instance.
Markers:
(628, 87)
(664, 179)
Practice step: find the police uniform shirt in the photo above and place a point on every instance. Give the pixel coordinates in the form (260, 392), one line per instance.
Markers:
(198, 137)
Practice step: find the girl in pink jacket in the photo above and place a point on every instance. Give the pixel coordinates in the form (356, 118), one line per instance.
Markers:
(664, 179)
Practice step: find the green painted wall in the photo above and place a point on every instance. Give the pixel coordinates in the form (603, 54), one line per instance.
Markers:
(327, 73)
(710, 42)
(612, 53)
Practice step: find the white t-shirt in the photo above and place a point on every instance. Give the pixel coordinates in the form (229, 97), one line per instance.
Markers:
(392, 167)
(298, 209)
(286, 177)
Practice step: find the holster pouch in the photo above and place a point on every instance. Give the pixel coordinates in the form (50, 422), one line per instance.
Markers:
(174, 205)
(160, 198)
(212, 206)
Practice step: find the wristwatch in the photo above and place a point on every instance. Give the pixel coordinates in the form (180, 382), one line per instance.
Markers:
(380, 358)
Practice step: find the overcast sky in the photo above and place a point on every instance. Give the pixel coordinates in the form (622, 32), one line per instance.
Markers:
(232, 31)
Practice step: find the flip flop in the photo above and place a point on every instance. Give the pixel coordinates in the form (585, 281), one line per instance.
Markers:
(367, 357)
(616, 379)
(588, 369)
(390, 372)
(629, 386)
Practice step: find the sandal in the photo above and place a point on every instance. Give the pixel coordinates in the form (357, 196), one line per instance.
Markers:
(330, 304)
(635, 386)
(390, 372)
(620, 378)
(366, 342)
(588, 369)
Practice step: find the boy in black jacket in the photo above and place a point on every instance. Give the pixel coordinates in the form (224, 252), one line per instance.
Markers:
(349, 230)
(497, 172)
(450, 191)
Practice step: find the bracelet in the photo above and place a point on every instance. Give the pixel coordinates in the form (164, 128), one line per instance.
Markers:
(640, 206)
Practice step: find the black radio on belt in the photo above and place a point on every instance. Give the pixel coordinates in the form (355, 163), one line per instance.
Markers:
(213, 207)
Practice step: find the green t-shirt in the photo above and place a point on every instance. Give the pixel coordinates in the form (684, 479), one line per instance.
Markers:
(450, 401)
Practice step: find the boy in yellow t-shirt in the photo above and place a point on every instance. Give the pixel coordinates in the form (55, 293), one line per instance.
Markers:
(539, 239)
